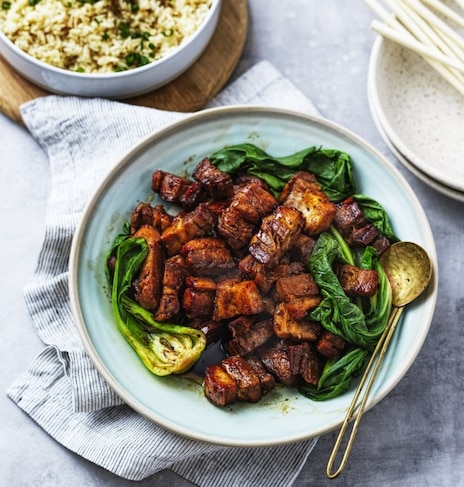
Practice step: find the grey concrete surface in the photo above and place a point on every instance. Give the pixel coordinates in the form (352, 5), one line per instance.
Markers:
(415, 436)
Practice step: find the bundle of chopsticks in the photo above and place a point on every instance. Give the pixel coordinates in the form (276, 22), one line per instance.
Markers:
(428, 27)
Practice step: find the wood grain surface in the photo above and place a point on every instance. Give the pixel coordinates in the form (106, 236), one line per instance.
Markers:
(189, 92)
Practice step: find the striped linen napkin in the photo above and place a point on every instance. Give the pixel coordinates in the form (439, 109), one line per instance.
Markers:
(62, 391)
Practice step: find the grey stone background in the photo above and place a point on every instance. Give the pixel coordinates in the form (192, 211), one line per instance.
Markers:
(415, 436)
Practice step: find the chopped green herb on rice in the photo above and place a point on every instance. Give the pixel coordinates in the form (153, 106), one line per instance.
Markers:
(100, 36)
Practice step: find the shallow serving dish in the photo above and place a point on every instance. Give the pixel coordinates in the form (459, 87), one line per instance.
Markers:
(419, 112)
(178, 403)
(117, 85)
(433, 183)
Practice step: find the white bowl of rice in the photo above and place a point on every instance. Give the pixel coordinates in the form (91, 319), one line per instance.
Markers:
(105, 48)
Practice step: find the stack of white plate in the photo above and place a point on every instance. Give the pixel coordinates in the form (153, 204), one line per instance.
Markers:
(419, 115)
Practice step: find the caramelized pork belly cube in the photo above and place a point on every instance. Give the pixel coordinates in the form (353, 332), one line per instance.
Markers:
(353, 226)
(276, 359)
(246, 179)
(177, 190)
(259, 202)
(235, 297)
(192, 196)
(381, 244)
(237, 222)
(169, 186)
(285, 326)
(148, 282)
(220, 387)
(299, 308)
(302, 248)
(253, 202)
(253, 269)
(276, 235)
(234, 229)
(356, 281)
(366, 235)
(284, 270)
(217, 207)
(296, 286)
(306, 362)
(265, 378)
(142, 215)
(207, 256)
(187, 226)
(309, 177)
(330, 345)
(241, 325)
(218, 184)
(248, 383)
(213, 330)
(348, 217)
(247, 339)
(300, 294)
(264, 276)
(173, 282)
(145, 214)
(315, 206)
(198, 297)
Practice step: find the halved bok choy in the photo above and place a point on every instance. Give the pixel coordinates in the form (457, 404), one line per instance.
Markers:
(164, 348)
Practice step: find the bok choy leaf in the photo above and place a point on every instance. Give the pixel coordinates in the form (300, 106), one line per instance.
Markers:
(163, 348)
(359, 322)
(337, 312)
(332, 168)
(336, 376)
(376, 214)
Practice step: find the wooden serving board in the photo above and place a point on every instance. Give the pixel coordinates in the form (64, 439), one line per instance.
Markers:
(187, 93)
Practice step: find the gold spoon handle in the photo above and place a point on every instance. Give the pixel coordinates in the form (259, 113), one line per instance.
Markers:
(379, 352)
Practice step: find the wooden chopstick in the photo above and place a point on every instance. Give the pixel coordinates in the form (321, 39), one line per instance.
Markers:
(414, 26)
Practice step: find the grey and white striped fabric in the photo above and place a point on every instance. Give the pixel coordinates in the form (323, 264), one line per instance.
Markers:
(62, 391)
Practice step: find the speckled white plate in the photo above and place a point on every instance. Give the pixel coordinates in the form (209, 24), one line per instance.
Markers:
(433, 183)
(178, 403)
(421, 114)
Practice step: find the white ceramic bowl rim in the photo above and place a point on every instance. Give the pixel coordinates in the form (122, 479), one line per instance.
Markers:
(116, 74)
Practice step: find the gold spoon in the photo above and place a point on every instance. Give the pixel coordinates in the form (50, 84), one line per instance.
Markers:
(409, 270)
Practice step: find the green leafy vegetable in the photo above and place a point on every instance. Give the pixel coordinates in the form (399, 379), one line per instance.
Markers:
(338, 372)
(337, 312)
(380, 305)
(171, 348)
(336, 376)
(376, 214)
(164, 348)
(346, 251)
(332, 168)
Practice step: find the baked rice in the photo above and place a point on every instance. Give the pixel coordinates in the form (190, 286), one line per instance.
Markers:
(100, 36)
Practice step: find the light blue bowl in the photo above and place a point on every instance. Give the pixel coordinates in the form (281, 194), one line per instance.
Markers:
(178, 403)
